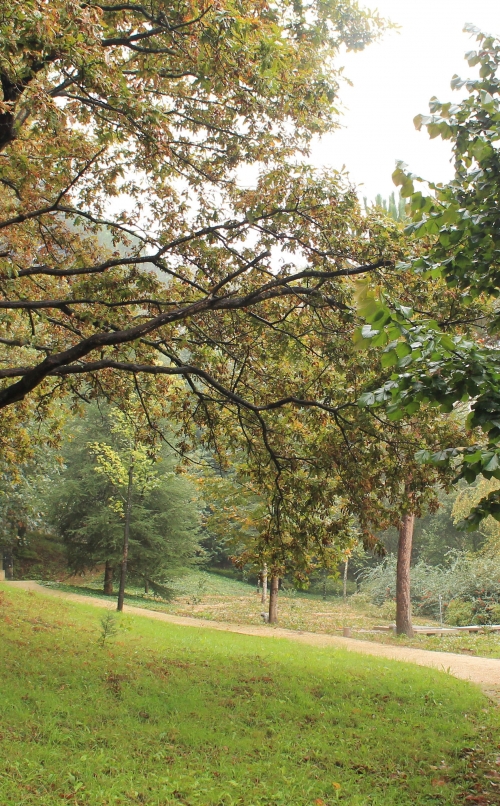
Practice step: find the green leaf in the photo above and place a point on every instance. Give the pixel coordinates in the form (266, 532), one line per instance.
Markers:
(447, 342)
(380, 340)
(411, 408)
(403, 349)
(492, 464)
(366, 399)
(389, 359)
(472, 458)
(394, 414)
(423, 457)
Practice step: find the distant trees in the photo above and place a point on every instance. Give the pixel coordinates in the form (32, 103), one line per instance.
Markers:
(89, 504)
(395, 208)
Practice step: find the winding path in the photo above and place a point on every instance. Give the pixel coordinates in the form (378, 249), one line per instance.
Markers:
(483, 671)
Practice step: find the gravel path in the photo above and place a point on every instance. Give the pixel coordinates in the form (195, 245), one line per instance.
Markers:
(483, 671)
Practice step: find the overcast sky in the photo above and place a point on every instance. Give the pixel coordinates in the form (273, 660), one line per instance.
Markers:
(393, 81)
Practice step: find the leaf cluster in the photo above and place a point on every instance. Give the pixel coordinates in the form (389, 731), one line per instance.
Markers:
(452, 363)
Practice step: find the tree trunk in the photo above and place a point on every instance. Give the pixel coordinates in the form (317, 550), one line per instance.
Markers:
(126, 532)
(8, 565)
(403, 601)
(264, 584)
(346, 567)
(108, 578)
(273, 600)
(146, 585)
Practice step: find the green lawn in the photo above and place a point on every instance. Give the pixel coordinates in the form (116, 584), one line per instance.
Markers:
(165, 715)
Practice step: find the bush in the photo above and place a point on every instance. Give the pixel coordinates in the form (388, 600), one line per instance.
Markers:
(330, 587)
(476, 611)
(459, 614)
(385, 611)
(469, 578)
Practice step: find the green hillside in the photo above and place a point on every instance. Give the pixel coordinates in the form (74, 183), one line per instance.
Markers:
(163, 715)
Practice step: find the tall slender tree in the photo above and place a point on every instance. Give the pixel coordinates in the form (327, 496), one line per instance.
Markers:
(92, 497)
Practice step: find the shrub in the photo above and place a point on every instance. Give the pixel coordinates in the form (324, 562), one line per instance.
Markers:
(459, 614)
(472, 578)
(495, 614)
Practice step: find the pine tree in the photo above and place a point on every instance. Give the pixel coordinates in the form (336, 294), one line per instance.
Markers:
(164, 518)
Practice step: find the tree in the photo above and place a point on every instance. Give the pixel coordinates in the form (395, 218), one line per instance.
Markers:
(232, 306)
(88, 509)
(26, 476)
(449, 361)
(156, 108)
(436, 534)
(129, 468)
(217, 300)
(394, 209)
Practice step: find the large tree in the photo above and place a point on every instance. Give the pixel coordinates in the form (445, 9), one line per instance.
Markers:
(442, 360)
(134, 260)
(127, 123)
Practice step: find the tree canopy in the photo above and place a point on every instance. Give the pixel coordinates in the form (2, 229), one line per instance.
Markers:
(452, 359)
(136, 264)
(131, 121)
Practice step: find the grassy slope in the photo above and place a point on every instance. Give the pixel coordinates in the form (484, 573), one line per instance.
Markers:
(213, 597)
(165, 715)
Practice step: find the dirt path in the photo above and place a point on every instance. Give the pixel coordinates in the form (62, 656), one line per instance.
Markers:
(483, 671)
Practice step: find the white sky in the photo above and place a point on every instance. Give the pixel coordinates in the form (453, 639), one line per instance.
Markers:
(393, 81)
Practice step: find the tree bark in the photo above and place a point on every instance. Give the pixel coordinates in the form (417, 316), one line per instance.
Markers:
(346, 567)
(108, 578)
(8, 565)
(126, 532)
(264, 584)
(273, 600)
(403, 601)
(146, 585)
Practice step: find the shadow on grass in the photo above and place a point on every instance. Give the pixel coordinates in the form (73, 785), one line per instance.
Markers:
(132, 598)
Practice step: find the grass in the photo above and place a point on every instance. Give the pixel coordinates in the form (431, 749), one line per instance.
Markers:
(209, 596)
(165, 715)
